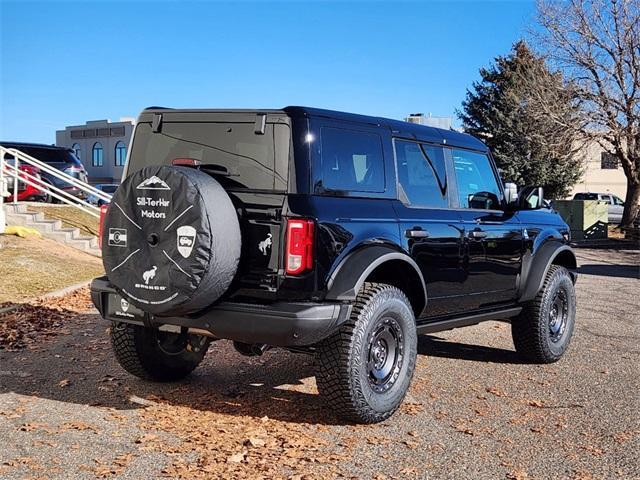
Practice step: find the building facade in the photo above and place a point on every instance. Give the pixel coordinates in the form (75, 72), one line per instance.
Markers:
(602, 173)
(430, 121)
(101, 146)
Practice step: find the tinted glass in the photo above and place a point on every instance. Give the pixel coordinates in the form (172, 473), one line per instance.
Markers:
(352, 161)
(617, 201)
(477, 184)
(109, 188)
(586, 196)
(249, 160)
(51, 155)
(418, 173)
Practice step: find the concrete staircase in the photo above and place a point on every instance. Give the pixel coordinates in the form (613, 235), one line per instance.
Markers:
(53, 229)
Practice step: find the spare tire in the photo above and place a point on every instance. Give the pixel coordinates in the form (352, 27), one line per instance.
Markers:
(171, 240)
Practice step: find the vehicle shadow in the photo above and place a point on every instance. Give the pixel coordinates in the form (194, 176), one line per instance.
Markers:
(76, 365)
(608, 270)
(430, 345)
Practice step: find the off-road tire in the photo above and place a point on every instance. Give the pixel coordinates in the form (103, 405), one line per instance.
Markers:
(531, 329)
(137, 350)
(342, 360)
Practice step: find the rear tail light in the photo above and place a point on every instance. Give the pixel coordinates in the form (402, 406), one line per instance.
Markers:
(103, 214)
(299, 253)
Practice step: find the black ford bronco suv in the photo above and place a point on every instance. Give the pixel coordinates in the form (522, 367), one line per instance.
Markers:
(339, 235)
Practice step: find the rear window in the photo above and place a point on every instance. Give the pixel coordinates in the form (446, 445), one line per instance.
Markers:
(351, 161)
(50, 155)
(109, 188)
(242, 158)
(586, 196)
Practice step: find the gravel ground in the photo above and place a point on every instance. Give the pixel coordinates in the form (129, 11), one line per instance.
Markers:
(474, 410)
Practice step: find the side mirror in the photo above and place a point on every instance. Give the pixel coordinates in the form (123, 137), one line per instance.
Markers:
(531, 198)
(511, 193)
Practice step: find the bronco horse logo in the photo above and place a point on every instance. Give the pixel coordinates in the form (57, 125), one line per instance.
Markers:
(149, 275)
(266, 243)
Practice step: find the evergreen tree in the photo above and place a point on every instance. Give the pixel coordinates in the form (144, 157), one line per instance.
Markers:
(521, 111)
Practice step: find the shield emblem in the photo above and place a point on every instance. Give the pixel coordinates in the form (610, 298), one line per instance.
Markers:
(124, 305)
(186, 239)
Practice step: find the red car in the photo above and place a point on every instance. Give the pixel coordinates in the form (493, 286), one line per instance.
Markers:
(26, 192)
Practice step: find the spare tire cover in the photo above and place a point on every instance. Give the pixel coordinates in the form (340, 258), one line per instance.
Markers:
(171, 240)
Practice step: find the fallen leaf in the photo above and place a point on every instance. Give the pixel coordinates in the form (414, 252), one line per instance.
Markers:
(237, 457)
(255, 442)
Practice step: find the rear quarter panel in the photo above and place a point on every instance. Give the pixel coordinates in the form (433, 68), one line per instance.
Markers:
(342, 226)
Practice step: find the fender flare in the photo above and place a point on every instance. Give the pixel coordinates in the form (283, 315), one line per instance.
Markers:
(347, 279)
(540, 263)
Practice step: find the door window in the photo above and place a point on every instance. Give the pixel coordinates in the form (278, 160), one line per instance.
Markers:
(477, 184)
(422, 174)
(352, 161)
(617, 201)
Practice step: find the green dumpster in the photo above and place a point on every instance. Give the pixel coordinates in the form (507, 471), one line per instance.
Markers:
(587, 219)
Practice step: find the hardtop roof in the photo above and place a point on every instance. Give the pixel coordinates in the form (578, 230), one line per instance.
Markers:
(398, 127)
(31, 145)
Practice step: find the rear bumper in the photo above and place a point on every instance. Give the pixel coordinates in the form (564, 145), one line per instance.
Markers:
(279, 324)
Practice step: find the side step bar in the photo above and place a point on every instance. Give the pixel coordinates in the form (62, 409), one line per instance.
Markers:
(450, 323)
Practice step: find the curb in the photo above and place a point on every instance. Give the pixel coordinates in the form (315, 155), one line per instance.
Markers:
(607, 244)
(57, 293)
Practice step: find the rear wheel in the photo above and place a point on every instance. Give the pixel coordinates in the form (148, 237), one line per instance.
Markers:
(542, 332)
(364, 370)
(151, 354)
(46, 197)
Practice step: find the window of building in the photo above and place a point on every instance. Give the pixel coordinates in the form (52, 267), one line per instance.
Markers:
(477, 184)
(608, 161)
(97, 155)
(352, 161)
(76, 150)
(121, 154)
(422, 174)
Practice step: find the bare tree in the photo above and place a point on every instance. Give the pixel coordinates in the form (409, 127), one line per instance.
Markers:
(597, 45)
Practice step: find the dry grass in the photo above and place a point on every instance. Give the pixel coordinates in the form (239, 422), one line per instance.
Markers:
(30, 267)
(70, 217)
(615, 232)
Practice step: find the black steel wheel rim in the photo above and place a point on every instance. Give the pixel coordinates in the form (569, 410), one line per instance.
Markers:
(558, 315)
(385, 354)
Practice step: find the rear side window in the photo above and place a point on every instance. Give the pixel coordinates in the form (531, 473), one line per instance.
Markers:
(351, 161)
(422, 174)
(477, 184)
(51, 155)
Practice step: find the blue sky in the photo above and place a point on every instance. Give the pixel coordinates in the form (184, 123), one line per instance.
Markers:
(62, 63)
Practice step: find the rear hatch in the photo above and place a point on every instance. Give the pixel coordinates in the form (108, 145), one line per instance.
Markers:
(248, 153)
(61, 159)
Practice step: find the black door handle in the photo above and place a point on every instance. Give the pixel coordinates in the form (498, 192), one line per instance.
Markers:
(416, 232)
(477, 234)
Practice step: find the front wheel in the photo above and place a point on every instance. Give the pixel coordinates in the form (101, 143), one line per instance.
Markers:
(542, 332)
(364, 370)
(155, 355)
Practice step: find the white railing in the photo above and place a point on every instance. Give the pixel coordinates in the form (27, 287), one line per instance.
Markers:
(10, 172)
